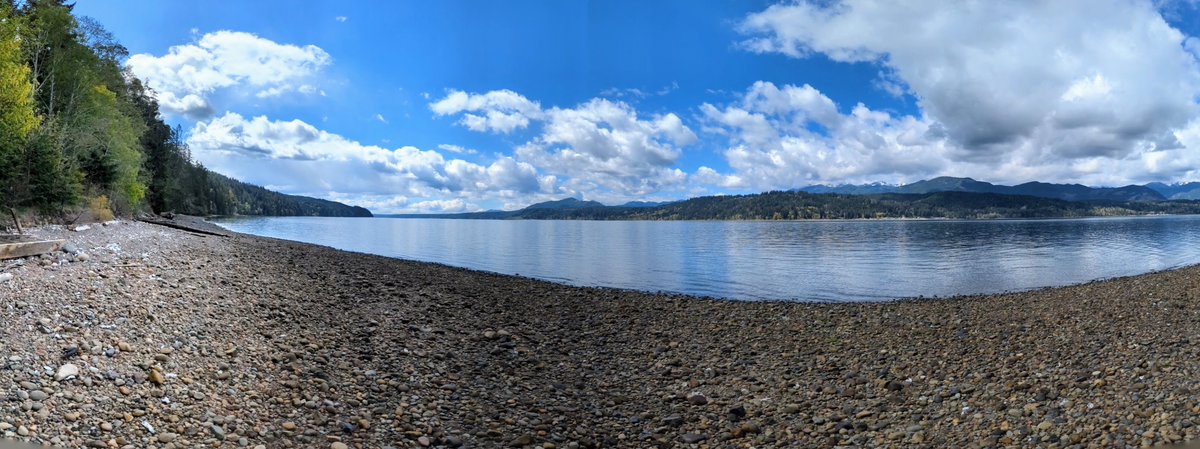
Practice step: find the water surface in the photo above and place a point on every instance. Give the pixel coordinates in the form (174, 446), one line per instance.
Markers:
(805, 260)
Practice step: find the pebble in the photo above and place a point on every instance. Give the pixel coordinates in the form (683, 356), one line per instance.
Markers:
(67, 371)
(156, 377)
(692, 438)
(521, 441)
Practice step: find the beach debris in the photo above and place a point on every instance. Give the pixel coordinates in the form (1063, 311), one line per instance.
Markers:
(24, 248)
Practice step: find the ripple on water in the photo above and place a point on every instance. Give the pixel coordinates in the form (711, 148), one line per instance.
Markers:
(827, 261)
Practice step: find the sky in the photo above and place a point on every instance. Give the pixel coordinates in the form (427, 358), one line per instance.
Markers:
(451, 106)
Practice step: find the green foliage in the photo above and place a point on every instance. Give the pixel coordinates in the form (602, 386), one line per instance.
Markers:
(17, 118)
(53, 185)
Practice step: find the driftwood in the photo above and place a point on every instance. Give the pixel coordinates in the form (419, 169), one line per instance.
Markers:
(181, 226)
(16, 221)
(12, 250)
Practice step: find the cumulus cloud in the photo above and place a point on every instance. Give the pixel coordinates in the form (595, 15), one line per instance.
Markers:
(791, 136)
(497, 111)
(601, 147)
(188, 76)
(1019, 85)
(782, 137)
(298, 157)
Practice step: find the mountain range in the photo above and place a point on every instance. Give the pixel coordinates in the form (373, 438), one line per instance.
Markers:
(1155, 191)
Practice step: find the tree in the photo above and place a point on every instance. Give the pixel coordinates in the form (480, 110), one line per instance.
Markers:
(17, 118)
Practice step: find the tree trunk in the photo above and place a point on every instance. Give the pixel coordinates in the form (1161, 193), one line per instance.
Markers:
(16, 221)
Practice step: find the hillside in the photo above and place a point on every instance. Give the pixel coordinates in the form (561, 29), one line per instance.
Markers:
(77, 128)
(1066, 192)
(808, 206)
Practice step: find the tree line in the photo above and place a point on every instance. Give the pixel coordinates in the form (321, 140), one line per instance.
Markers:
(76, 126)
(781, 205)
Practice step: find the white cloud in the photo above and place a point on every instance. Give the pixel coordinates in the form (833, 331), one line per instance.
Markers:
(456, 149)
(600, 147)
(379, 118)
(1020, 85)
(791, 136)
(341, 19)
(443, 206)
(502, 110)
(784, 137)
(188, 77)
(298, 158)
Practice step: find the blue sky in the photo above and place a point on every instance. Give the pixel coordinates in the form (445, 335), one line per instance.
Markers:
(465, 105)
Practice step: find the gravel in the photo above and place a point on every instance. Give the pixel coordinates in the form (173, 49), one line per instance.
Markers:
(190, 340)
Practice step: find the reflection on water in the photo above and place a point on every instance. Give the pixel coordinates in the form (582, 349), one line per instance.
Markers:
(827, 260)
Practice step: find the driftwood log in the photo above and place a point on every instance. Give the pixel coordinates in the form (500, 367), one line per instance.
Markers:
(15, 249)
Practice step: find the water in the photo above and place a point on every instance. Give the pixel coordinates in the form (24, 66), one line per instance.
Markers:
(825, 260)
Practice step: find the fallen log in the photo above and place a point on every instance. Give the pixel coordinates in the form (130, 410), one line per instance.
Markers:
(181, 226)
(13, 250)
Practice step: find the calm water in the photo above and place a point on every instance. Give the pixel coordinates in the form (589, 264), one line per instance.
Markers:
(829, 260)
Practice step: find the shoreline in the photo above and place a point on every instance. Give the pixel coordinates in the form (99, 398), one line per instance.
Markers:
(798, 220)
(206, 224)
(285, 344)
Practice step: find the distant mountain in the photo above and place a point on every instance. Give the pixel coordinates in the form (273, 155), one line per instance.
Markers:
(809, 206)
(642, 204)
(851, 189)
(1066, 192)
(1177, 191)
(565, 203)
(1077, 192)
(951, 184)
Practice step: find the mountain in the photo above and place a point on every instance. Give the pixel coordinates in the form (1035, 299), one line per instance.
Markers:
(1066, 192)
(1077, 192)
(565, 203)
(809, 206)
(851, 189)
(641, 204)
(950, 184)
(1177, 191)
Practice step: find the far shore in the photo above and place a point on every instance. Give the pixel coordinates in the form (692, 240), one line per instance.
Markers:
(268, 343)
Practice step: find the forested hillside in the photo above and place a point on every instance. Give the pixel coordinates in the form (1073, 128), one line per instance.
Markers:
(810, 206)
(76, 128)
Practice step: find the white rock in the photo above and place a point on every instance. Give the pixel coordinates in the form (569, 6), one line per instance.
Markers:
(5, 277)
(81, 228)
(68, 371)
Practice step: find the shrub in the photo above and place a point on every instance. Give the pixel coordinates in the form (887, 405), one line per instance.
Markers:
(100, 209)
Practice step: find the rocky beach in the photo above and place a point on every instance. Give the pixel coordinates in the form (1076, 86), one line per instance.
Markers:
(143, 336)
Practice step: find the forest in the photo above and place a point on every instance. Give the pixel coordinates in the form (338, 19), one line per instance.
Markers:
(79, 132)
(793, 205)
